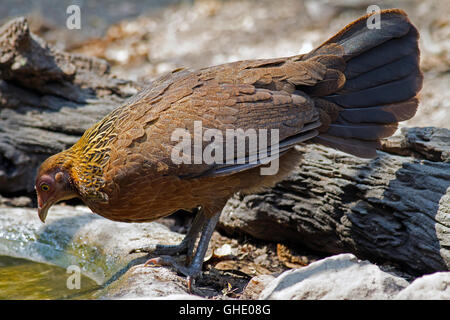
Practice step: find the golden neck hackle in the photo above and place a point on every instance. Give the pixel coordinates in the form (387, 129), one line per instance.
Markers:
(88, 158)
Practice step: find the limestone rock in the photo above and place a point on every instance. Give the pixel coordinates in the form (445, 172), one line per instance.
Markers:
(141, 282)
(338, 277)
(256, 285)
(435, 286)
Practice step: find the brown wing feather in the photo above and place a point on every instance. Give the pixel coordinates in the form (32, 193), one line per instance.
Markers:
(186, 96)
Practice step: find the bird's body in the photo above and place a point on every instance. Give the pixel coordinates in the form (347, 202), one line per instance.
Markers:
(348, 94)
(118, 157)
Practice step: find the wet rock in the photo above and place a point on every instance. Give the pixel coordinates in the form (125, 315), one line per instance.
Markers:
(75, 236)
(337, 277)
(141, 282)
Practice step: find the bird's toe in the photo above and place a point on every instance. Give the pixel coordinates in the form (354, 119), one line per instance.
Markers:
(162, 249)
(191, 272)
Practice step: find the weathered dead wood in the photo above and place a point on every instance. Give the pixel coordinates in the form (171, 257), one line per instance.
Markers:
(393, 208)
(48, 98)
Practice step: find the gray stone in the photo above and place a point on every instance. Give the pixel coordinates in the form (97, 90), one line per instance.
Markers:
(141, 282)
(434, 286)
(338, 277)
(256, 285)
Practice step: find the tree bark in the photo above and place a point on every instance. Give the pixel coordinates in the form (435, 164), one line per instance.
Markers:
(48, 98)
(394, 208)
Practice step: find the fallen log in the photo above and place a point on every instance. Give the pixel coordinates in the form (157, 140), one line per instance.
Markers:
(395, 208)
(48, 98)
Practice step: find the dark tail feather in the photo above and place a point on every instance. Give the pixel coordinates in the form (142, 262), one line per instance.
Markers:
(388, 113)
(363, 102)
(390, 92)
(363, 149)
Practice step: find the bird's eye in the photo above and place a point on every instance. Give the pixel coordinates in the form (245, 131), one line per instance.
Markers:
(45, 187)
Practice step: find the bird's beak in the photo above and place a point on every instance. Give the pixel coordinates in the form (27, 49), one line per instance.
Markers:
(43, 209)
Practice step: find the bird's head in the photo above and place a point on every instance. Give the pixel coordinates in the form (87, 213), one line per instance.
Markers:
(53, 184)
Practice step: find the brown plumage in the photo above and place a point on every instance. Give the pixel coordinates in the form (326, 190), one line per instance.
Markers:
(348, 94)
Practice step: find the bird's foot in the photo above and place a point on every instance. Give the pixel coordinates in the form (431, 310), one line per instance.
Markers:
(201, 224)
(191, 272)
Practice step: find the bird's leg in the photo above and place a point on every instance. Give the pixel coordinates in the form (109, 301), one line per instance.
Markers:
(186, 244)
(195, 266)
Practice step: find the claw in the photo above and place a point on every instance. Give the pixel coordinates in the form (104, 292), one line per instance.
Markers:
(152, 262)
(191, 272)
(190, 282)
(160, 261)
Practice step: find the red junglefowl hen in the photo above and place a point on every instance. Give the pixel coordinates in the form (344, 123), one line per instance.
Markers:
(348, 93)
